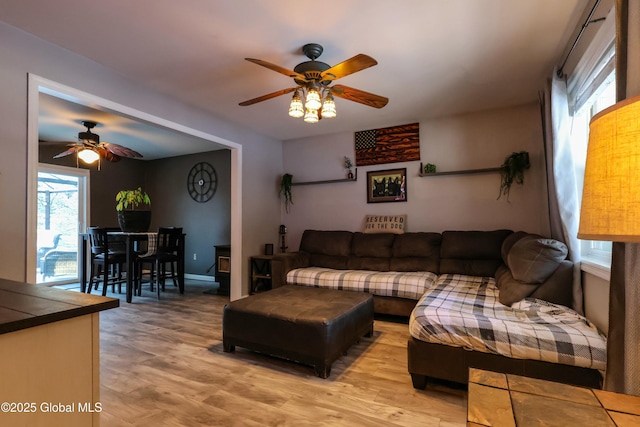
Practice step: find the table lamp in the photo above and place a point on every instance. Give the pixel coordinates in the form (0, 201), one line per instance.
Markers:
(611, 211)
(611, 195)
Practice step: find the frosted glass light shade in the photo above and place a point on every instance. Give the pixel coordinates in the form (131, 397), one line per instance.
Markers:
(611, 194)
(328, 107)
(296, 109)
(311, 116)
(88, 156)
(313, 100)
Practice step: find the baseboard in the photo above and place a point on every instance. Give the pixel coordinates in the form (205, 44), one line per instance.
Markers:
(200, 277)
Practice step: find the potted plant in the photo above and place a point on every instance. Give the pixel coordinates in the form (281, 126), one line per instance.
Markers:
(285, 190)
(512, 170)
(130, 217)
(348, 165)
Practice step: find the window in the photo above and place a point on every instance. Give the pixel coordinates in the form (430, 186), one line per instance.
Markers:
(591, 87)
(62, 196)
(604, 95)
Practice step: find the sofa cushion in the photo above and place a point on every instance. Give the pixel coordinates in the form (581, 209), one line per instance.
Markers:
(473, 253)
(511, 290)
(509, 241)
(417, 251)
(418, 244)
(368, 263)
(328, 249)
(532, 259)
(372, 245)
(328, 261)
(411, 285)
(557, 289)
(336, 243)
(414, 264)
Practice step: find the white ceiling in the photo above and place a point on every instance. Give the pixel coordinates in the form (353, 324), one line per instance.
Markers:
(435, 57)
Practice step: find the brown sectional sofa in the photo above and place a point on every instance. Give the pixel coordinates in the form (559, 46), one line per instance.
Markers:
(474, 253)
(521, 269)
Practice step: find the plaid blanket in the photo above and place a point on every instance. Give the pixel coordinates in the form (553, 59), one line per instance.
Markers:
(152, 244)
(410, 284)
(464, 311)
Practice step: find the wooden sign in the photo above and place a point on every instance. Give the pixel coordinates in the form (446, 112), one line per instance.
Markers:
(388, 145)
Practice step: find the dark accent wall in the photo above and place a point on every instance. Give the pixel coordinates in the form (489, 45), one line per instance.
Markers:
(205, 224)
(165, 180)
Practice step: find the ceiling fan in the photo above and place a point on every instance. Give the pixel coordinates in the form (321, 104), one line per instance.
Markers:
(89, 148)
(314, 79)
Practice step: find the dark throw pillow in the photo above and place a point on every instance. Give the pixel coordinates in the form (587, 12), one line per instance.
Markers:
(511, 290)
(532, 259)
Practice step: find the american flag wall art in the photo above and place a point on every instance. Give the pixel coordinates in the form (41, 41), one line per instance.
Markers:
(388, 145)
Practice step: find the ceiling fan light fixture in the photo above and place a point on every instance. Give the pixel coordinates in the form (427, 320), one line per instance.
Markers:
(313, 79)
(313, 101)
(88, 156)
(311, 116)
(328, 106)
(296, 109)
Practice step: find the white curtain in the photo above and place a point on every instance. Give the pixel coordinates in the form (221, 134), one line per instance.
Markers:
(561, 181)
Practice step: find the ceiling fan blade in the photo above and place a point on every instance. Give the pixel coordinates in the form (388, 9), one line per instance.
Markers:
(357, 95)
(269, 96)
(71, 150)
(278, 69)
(108, 155)
(350, 66)
(119, 150)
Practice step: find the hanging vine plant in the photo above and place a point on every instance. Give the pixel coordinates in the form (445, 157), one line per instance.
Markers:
(512, 170)
(285, 190)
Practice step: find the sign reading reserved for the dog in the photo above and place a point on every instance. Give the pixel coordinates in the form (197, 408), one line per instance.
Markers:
(385, 224)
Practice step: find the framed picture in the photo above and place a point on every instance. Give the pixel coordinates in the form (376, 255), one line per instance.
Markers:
(387, 186)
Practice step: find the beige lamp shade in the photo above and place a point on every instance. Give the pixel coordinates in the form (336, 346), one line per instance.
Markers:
(611, 195)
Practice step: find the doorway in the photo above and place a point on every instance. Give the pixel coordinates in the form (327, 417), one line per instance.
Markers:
(62, 214)
(38, 85)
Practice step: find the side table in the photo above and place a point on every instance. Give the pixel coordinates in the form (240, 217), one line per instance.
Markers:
(223, 268)
(504, 400)
(260, 273)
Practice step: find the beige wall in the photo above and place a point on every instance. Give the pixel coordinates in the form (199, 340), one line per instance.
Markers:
(596, 299)
(470, 141)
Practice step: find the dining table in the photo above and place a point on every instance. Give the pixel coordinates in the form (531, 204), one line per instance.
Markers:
(133, 243)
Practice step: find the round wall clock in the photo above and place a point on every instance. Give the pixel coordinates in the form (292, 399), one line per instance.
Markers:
(202, 182)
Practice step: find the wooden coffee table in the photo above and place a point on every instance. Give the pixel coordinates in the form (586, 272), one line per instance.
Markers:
(505, 400)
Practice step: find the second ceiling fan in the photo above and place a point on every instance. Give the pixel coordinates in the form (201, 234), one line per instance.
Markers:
(313, 97)
(89, 148)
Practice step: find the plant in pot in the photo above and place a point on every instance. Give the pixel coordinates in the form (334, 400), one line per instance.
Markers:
(348, 164)
(512, 170)
(130, 217)
(285, 190)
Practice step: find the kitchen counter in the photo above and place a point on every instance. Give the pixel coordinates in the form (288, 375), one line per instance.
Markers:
(50, 355)
(24, 306)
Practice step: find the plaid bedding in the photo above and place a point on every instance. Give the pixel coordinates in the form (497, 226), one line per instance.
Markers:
(409, 284)
(464, 311)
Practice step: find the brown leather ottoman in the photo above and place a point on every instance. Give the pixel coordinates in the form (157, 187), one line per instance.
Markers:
(309, 325)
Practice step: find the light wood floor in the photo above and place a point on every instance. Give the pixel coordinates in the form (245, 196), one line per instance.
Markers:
(162, 364)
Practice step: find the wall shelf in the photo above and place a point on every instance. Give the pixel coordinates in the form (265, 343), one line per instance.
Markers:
(460, 172)
(329, 181)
